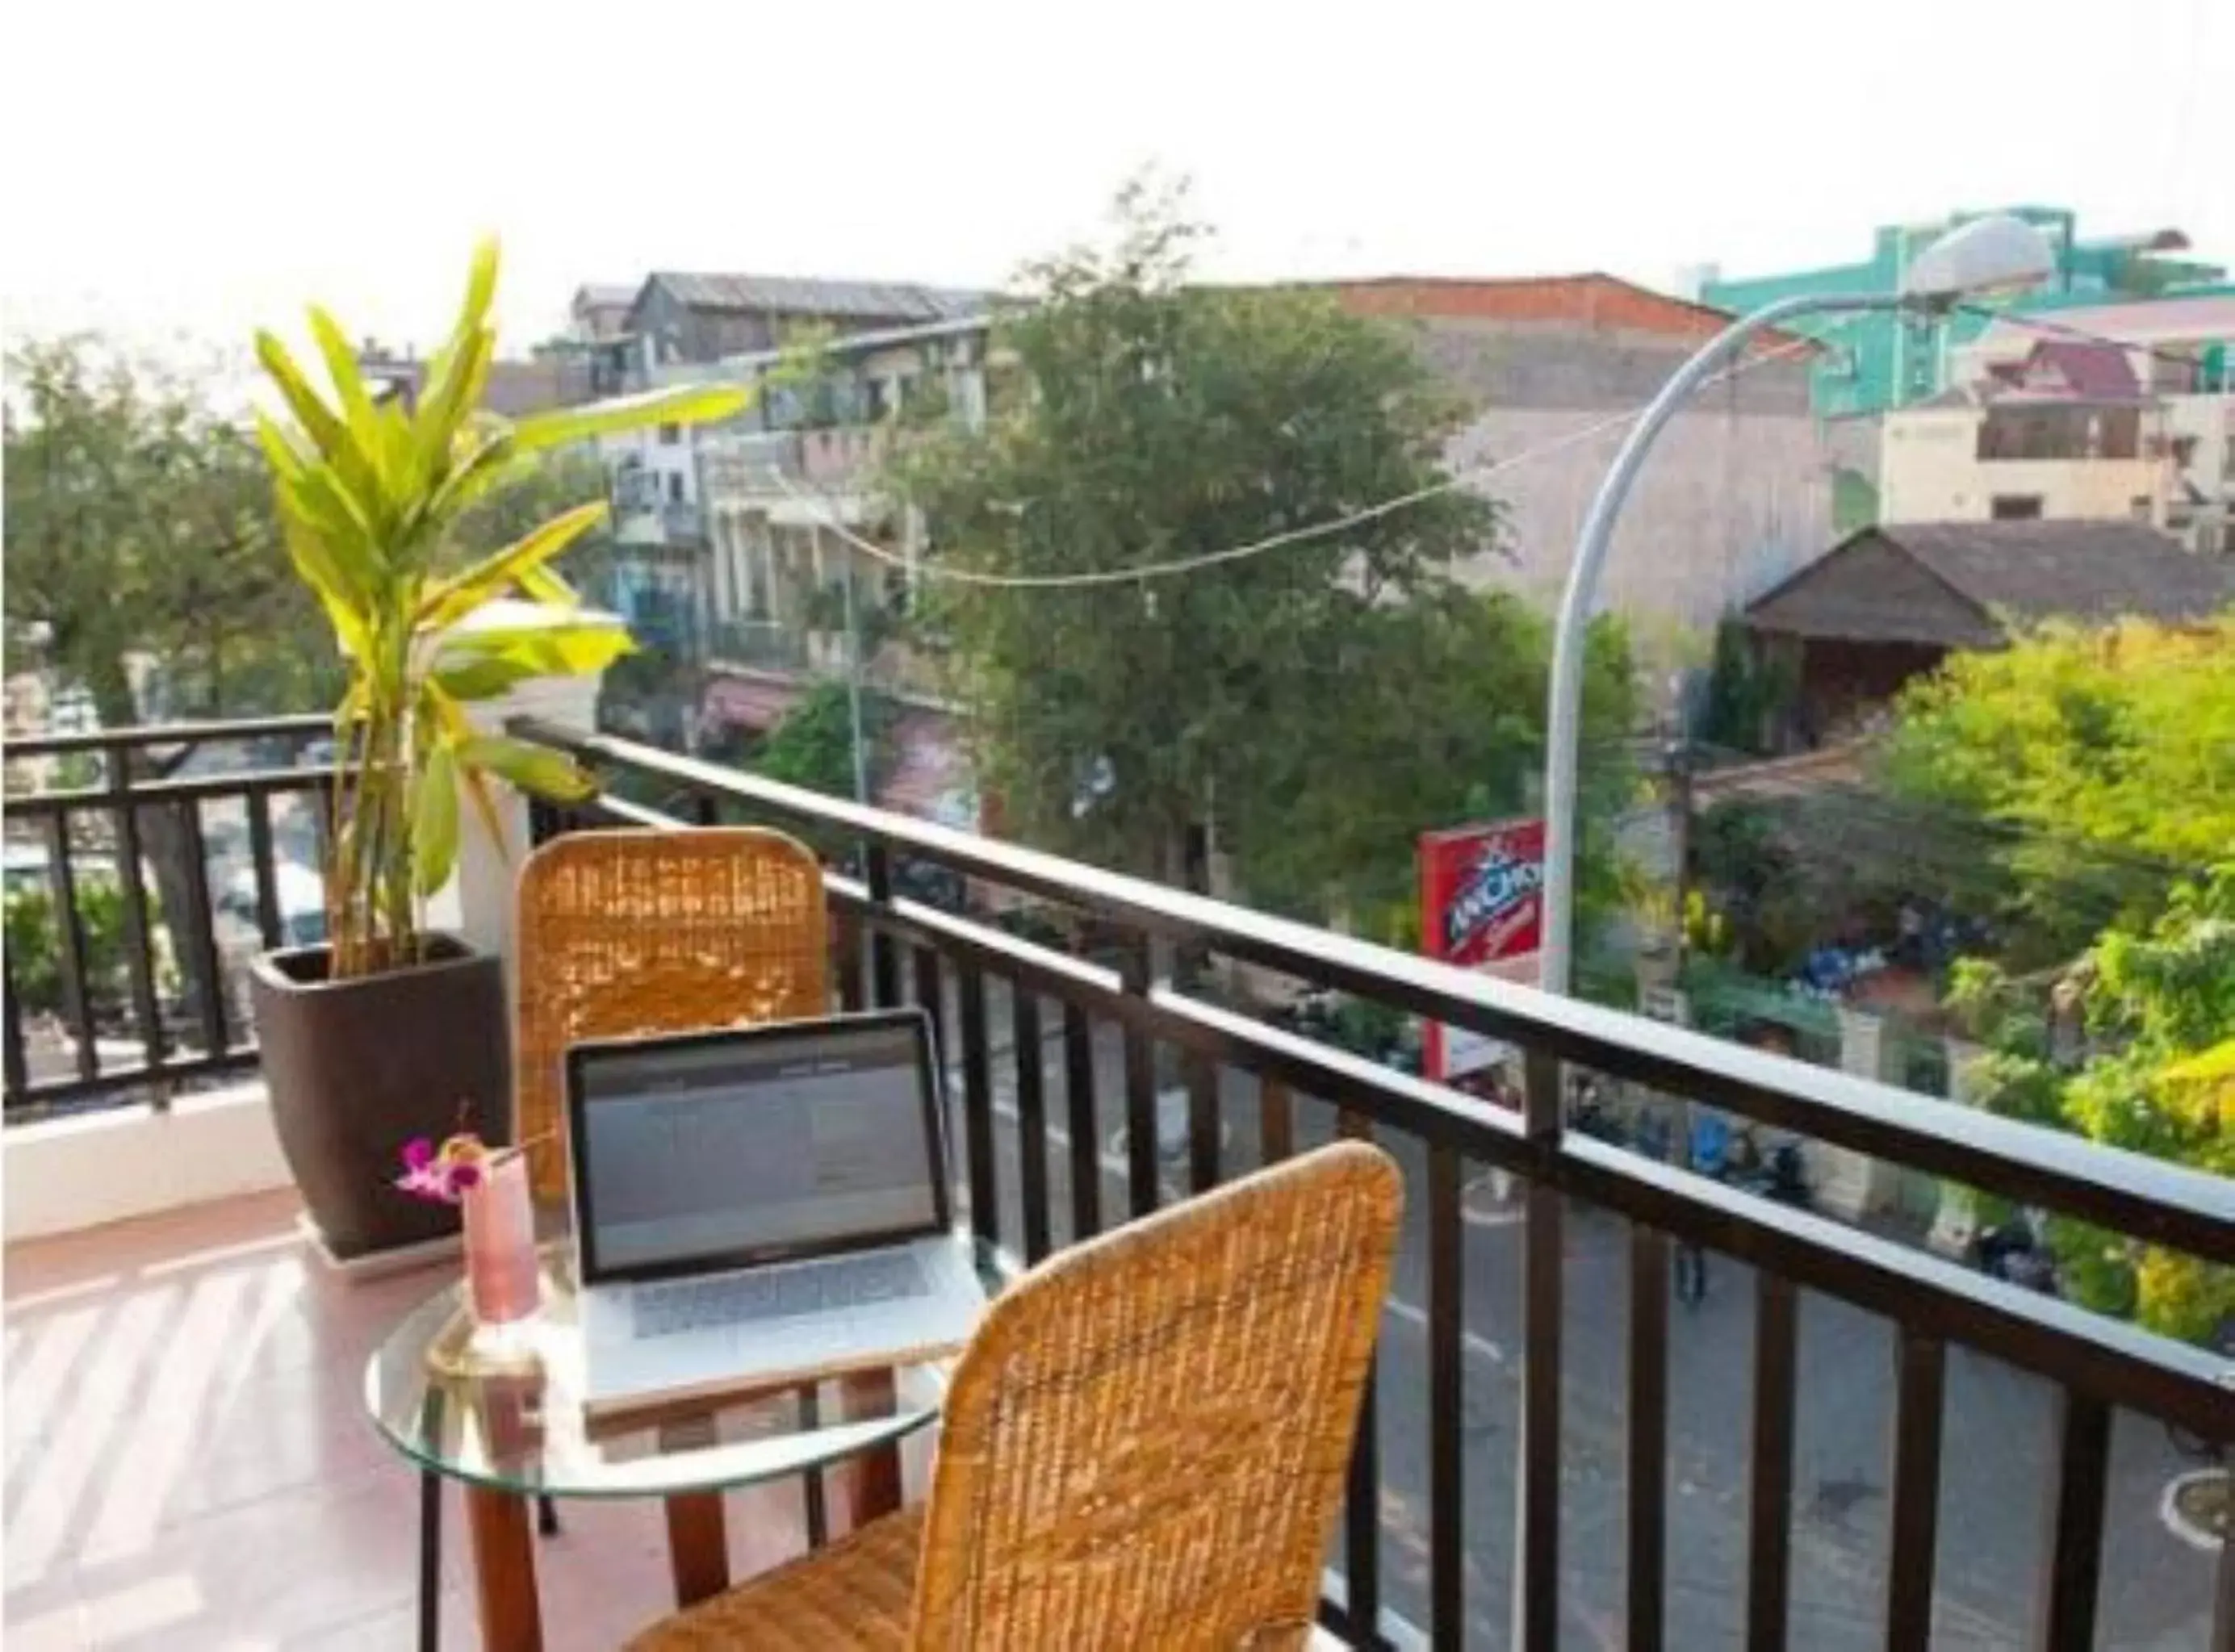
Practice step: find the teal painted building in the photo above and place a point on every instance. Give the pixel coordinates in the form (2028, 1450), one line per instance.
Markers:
(1877, 361)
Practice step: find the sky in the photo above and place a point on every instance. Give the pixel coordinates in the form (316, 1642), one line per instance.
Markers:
(178, 175)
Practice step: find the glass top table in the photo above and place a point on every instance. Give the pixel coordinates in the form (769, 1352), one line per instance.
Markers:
(517, 1433)
(523, 1431)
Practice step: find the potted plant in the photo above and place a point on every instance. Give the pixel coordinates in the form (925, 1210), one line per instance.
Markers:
(386, 1031)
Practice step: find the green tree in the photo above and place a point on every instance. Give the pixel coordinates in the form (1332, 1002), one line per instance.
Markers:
(2098, 758)
(144, 567)
(813, 746)
(1744, 694)
(2156, 1076)
(1313, 706)
(140, 526)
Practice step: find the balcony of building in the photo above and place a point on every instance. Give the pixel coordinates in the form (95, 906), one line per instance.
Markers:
(1846, 1441)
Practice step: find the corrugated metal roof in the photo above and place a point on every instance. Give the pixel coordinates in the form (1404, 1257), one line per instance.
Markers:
(2092, 571)
(893, 301)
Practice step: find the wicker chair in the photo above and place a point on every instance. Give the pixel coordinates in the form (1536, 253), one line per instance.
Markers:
(1144, 1445)
(627, 933)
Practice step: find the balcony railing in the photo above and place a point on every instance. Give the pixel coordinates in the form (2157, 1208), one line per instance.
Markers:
(1523, 1464)
(770, 645)
(745, 464)
(1036, 1176)
(664, 523)
(136, 902)
(750, 464)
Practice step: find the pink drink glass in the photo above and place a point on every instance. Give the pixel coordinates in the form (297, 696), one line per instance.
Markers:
(502, 1281)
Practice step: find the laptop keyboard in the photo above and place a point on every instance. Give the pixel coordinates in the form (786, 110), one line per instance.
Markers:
(777, 1293)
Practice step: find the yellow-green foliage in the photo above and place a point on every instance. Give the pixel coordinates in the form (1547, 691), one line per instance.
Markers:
(2097, 746)
(372, 495)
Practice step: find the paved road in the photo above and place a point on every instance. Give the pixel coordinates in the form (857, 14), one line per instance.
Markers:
(1997, 1434)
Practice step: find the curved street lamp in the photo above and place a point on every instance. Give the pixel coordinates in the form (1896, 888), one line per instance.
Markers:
(1988, 256)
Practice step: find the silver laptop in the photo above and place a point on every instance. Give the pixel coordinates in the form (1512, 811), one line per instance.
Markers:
(762, 1205)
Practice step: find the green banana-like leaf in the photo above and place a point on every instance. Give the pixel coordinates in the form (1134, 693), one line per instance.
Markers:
(366, 491)
(489, 467)
(315, 568)
(481, 286)
(476, 787)
(543, 651)
(331, 438)
(317, 505)
(452, 395)
(482, 678)
(684, 404)
(450, 600)
(434, 819)
(544, 586)
(532, 768)
(342, 369)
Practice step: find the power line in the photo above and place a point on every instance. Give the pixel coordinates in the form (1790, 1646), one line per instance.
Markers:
(1180, 564)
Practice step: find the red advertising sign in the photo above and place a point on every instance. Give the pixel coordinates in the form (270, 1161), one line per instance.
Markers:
(1482, 905)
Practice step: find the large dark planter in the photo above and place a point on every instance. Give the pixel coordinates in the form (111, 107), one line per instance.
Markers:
(357, 1068)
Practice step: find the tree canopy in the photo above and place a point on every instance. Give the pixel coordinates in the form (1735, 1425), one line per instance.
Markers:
(140, 526)
(1315, 706)
(2101, 759)
(2155, 1073)
(2096, 771)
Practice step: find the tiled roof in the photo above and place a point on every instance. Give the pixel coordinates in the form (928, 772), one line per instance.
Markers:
(1967, 579)
(812, 296)
(1591, 299)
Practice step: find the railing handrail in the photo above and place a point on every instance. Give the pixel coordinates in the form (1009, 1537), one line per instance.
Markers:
(2118, 1362)
(2142, 1197)
(146, 734)
(171, 789)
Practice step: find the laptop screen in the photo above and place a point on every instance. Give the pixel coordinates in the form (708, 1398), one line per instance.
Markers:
(720, 1151)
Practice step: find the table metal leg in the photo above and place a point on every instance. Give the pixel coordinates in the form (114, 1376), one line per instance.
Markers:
(818, 1518)
(504, 1570)
(872, 1479)
(430, 1562)
(547, 1517)
(698, 1546)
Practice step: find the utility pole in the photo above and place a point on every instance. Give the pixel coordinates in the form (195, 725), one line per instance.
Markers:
(854, 682)
(1678, 757)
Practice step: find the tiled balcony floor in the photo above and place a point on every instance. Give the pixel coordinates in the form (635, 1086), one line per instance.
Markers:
(189, 1464)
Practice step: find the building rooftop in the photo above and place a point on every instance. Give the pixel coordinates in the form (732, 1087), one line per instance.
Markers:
(1589, 299)
(1981, 577)
(900, 301)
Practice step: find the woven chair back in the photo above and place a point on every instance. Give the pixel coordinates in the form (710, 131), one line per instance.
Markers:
(1146, 1442)
(629, 932)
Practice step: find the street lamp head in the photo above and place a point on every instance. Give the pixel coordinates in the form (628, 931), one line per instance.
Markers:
(1998, 255)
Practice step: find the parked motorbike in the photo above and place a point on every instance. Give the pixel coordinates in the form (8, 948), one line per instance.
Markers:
(2010, 1251)
(1779, 1174)
(1588, 1115)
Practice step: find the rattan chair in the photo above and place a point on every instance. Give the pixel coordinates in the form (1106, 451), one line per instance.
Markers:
(635, 932)
(1143, 1446)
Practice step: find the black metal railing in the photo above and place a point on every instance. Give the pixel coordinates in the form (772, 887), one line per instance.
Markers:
(1419, 1549)
(135, 899)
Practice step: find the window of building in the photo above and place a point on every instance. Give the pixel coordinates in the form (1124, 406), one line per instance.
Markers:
(2015, 508)
(2139, 505)
(674, 486)
(670, 434)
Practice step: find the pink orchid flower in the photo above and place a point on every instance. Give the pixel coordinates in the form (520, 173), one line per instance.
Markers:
(443, 1175)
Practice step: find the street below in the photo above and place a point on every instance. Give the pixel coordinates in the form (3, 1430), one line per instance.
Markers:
(1994, 1470)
